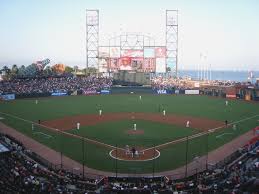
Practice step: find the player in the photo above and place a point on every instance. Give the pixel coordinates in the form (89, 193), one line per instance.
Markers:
(164, 112)
(127, 150)
(135, 126)
(32, 127)
(188, 124)
(133, 151)
(226, 123)
(140, 97)
(136, 153)
(234, 126)
(78, 125)
(100, 112)
(36, 101)
(226, 103)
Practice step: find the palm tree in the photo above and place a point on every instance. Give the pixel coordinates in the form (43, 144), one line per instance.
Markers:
(21, 70)
(14, 70)
(6, 70)
(47, 71)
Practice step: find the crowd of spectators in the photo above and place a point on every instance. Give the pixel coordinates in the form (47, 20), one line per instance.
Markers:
(50, 85)
(19, 173)
(168, 83)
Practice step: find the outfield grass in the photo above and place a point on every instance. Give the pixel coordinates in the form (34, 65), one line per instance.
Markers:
(114, 132)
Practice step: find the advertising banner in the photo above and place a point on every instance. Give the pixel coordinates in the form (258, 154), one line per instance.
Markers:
(132, 53)
(59, 94)
(160, 52)
(105, 91)
(8, 96)
(231, 96)
(114, 52)
(192, 92)
(160, 91)
(89, 92)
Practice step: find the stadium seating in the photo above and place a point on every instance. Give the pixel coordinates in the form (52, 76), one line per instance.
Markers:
(19, 173)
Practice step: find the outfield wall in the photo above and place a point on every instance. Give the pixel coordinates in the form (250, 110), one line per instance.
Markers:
(129, 90)
(240, 93)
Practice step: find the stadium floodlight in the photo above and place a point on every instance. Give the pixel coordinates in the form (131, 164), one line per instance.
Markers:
(172, 40)
(92, 38)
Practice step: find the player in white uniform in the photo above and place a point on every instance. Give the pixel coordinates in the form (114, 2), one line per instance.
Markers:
(226, 102)
(188, 124)
(100, 112)
(135, 126)
(164, 112)
(140, 97)
(78, 125)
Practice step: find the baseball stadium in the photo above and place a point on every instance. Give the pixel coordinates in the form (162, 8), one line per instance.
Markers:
(127, 122)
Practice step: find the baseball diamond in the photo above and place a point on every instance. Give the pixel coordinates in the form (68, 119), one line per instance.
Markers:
(137, 97)
(103, 138)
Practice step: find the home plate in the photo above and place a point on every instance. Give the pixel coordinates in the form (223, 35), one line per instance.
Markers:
(1, 118)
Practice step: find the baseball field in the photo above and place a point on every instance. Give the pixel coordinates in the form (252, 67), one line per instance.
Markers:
(105, 141)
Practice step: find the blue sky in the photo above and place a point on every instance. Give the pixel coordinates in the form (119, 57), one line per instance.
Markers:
(226, 31)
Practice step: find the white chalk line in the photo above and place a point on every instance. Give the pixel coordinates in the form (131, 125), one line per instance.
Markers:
(219, 136)
(113, 147)
(200, 134)
(44, 134)
(63, 132)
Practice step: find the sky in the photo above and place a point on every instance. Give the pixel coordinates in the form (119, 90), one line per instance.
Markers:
(227, 32)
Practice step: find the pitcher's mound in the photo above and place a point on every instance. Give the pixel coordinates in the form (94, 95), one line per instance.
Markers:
(135, 132)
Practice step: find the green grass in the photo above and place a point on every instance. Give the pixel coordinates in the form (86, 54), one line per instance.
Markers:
(114, 132)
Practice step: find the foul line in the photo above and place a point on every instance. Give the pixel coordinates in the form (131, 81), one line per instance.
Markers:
(200, 134)
(63, 132)
(44, 134)
(114, 147)
(219, 136)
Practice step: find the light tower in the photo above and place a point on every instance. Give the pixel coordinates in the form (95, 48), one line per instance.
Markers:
(172, 40)
(92, 38)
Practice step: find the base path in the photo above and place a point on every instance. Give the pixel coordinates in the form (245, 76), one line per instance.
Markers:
(69, 122)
